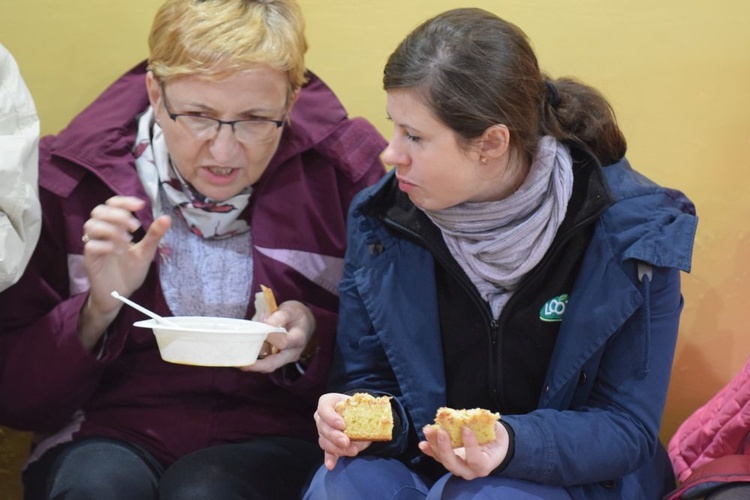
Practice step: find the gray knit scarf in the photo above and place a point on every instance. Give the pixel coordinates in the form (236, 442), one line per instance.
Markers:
(496, 243)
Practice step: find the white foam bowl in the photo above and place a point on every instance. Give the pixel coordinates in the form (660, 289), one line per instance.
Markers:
(209, 341)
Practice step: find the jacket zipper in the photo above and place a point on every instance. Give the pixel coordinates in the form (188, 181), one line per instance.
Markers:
(495, 326)
(549, 255)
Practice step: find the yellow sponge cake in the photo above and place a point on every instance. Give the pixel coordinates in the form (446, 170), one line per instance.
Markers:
(367, 418)
(479, 420)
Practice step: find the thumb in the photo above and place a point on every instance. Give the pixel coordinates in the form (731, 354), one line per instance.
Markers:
(156, 231)
(330, 460)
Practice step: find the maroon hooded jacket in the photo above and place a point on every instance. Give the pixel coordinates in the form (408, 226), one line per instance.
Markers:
(297, 216)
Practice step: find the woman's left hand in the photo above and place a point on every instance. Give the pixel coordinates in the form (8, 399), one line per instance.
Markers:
(299, 322)
(472, 460)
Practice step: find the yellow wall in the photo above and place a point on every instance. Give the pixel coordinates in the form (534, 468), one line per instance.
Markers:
(676, 71)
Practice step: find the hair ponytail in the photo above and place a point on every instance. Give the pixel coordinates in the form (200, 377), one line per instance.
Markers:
(573, 111)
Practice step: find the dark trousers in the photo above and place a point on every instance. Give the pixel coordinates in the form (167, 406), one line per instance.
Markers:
(733, 491)
(106, 469)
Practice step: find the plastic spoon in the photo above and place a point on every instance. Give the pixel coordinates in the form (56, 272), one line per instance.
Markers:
(151, 314)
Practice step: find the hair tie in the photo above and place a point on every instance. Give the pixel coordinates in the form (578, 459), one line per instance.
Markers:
(553, 96)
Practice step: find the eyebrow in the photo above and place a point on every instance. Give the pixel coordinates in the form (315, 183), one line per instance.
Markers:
(248, 112)
(403, 125)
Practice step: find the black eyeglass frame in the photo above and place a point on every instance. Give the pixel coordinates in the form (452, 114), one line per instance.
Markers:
(231, 123)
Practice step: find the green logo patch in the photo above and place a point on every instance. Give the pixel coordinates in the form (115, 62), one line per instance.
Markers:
(554, 309)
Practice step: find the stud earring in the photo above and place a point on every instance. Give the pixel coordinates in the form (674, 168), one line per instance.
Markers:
(483, 160)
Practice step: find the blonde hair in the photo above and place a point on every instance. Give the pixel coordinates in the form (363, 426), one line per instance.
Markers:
(215, 38)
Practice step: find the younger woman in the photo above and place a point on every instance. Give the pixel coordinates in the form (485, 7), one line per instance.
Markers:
(513, 261)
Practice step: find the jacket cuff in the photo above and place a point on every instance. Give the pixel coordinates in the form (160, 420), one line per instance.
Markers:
(511, 448)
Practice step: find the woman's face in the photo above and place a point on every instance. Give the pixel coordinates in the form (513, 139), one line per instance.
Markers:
(218, 165)
(430, 166)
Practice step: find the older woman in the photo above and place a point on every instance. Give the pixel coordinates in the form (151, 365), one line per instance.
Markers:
(231, 167)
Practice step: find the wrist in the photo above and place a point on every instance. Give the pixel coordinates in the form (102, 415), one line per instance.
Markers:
(311, 346)
(511, 446)
(92, 323)
(309, 351)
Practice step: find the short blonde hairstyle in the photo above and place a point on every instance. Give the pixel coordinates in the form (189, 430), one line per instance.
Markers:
(215, 38)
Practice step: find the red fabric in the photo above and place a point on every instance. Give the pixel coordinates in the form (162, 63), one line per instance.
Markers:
(712, 475)
(711, 445)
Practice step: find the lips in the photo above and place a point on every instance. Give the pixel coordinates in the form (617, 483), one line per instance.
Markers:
(221, 171)
(405, 185)
(219, 176)
(402, 180)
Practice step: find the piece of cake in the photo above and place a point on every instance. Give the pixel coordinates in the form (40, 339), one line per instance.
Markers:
(367, 418)
(479, 420)
(265, 305)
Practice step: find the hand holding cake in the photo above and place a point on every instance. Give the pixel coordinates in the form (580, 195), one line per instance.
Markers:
(331, 424)
(283, 349)
(469, 443)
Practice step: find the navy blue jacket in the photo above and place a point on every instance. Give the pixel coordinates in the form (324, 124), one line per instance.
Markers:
(595, 433)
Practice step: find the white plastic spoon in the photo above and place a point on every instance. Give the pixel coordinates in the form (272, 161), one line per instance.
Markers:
(151, 314)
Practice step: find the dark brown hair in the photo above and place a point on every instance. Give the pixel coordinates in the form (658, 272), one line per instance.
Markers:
(475, 70)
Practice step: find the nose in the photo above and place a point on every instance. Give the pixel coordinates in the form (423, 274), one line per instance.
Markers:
(225, 145)
(392, 156)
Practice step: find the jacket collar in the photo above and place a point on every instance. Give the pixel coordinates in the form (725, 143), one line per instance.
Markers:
(641, 220)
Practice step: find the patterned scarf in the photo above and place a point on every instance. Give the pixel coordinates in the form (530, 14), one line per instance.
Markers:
(496, 243)
(206, 218)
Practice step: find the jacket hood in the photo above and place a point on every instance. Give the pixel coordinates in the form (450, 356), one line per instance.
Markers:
(656, 225)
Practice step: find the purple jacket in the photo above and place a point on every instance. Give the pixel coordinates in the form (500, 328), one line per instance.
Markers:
(297, 217)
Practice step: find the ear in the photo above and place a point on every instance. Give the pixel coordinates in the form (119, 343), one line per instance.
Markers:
(153, 88)
(495, 141)
(292, 99)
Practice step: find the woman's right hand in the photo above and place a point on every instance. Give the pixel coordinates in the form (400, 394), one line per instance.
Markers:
(113, 262)
(331, 437)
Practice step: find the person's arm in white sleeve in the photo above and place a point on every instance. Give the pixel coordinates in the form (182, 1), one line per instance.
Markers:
(20, 213)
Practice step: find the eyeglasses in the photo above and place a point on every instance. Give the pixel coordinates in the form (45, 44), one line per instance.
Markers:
(256, 130)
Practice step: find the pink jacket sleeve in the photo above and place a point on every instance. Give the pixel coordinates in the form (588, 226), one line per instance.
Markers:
(718, 428)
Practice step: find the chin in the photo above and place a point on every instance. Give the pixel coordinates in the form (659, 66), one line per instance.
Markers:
(420, 198)
(218, 193)
(420, 203)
